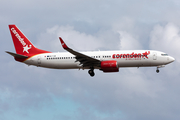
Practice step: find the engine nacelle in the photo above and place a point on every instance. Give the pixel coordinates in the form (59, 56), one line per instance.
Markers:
(109, 66)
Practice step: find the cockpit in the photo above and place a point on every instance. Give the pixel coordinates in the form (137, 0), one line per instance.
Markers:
(164, 54)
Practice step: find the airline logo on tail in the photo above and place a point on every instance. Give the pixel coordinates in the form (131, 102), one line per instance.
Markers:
(21, 40)
(26, 48)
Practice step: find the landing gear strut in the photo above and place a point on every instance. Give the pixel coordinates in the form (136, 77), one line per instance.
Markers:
(91, 72)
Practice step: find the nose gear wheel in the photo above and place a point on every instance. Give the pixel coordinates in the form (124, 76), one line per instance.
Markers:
(157, 70)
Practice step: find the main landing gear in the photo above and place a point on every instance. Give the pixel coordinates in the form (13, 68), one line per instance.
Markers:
(91, 72)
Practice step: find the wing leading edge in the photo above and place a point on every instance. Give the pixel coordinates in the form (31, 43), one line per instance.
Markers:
(85, 61)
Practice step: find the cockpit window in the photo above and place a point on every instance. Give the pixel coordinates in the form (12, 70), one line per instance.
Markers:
(164, 54)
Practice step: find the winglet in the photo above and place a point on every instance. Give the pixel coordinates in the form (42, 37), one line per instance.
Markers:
(63, 43)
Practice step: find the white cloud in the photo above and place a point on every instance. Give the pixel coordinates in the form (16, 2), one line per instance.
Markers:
(128, 42)
(166, 38)
(74, 39)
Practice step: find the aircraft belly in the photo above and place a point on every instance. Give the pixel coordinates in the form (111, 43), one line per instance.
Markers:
(134, 63)
(128, 64)
(60, 64)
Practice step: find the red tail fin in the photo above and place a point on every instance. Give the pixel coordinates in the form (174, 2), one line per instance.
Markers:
(22, 45)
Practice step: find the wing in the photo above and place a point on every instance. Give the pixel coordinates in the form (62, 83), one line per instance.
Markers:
(84, 60)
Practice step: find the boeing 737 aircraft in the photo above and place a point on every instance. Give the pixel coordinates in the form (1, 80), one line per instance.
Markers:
(106, 61)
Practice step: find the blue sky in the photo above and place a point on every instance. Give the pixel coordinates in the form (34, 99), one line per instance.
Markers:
(28, 92)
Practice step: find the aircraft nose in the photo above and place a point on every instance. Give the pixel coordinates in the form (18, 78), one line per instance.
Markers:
(171, 59)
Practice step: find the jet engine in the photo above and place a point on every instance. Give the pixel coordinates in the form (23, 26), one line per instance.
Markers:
(109, 66)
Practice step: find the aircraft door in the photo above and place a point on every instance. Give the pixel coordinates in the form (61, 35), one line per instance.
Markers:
(39, 59)
(154, 56)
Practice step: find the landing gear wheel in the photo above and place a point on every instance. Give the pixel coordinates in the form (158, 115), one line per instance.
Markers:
(157, 70)
(91, 72)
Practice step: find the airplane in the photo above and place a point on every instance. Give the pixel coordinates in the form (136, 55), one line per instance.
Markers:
(106, 61)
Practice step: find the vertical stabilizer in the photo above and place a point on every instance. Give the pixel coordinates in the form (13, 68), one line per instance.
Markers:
(22, 45)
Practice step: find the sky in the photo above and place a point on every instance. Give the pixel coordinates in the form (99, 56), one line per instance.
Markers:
(29, 92)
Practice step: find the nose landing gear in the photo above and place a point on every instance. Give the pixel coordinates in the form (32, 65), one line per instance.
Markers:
(157, 70)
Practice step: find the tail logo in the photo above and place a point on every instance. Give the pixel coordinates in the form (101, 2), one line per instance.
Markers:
(21, 40)
(26, 48)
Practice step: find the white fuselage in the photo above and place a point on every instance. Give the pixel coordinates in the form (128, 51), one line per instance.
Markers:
(124, 58)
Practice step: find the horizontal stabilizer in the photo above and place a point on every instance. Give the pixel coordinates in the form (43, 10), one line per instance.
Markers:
(17, 55)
